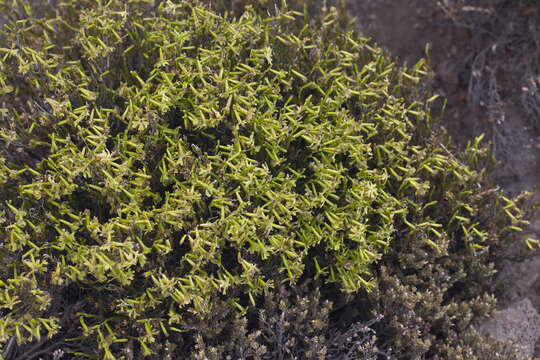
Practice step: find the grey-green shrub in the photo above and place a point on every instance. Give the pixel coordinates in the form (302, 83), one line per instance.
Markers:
(159, 158)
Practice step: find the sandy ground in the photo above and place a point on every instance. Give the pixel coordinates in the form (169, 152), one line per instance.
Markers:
(404, 28)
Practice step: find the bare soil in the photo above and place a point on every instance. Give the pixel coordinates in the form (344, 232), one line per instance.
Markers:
(486, 63)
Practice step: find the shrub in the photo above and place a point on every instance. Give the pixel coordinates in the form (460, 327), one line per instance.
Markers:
(164, 167)
(289, 326)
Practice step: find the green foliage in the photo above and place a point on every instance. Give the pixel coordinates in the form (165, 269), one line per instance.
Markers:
(164, 160)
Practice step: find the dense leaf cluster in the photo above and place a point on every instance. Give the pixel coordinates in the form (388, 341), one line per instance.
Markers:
(161, 164)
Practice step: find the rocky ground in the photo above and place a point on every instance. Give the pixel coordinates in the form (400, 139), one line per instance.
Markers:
(486, 63)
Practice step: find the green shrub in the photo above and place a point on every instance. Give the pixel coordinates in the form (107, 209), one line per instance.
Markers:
(162, 165)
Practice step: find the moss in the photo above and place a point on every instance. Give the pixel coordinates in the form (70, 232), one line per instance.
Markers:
(172, 164)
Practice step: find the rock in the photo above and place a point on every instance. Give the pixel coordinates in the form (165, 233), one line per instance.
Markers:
(520, 277)
(519, 324)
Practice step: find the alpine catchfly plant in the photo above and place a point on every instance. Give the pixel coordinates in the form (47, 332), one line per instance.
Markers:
(164, 166)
